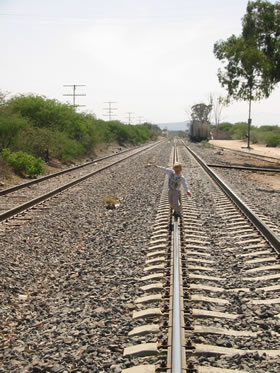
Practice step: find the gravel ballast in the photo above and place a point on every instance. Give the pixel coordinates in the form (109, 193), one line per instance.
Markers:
(264, 200)
(69, 274)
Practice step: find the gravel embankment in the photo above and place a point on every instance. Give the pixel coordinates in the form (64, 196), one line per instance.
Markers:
(264, 200)
(68, 277)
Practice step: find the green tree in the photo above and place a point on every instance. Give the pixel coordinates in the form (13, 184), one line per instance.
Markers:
(247, 67)
(239, 131)
(262, 20)
(201, 113)
(10, 128)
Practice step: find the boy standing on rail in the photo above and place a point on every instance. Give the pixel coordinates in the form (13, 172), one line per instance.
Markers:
(175, 180)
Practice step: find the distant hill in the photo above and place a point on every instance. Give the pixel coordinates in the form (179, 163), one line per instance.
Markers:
(176, 126)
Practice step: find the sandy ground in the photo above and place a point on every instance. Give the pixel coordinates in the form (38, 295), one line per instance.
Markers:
(270, 181)
(242, 146)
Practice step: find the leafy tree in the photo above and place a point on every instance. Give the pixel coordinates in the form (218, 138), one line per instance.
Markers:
(43, 112)
(262, 21)
(10, 127)
(225, 126)
(273, 140)
(3, 97)
(247, 73)
(239, 131)
(49, 129)
(274, 128)
(201, 113)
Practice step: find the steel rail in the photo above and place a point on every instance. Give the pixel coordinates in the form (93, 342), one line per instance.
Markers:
(264, 158)
(176, 306)
(245, 168)
(267, 233)
(8, 214)
(176, 352)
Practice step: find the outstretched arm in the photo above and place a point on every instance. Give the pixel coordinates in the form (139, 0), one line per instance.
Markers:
(164, 169)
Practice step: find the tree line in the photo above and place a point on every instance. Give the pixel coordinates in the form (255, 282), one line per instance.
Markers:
(266, 134)
(38, 128)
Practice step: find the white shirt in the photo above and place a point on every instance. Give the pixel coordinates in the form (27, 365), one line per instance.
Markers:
(175, 181)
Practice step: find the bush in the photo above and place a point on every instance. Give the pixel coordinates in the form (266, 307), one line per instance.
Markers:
(65, 149)
(10, 127)
(225, 126)
(41, 127)
(35, 141)
(23, 164)
(205, 144)
(273, 140)
(42, 112)
(239, 131)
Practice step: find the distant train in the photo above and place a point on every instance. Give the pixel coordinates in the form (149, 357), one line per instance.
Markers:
(199, 131)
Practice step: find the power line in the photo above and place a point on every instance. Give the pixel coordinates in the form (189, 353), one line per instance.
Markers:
(74, 94)
(129, 113)
(140, 119)
(110, 109)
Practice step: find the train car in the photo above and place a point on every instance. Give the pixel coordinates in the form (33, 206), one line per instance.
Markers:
(199, 131)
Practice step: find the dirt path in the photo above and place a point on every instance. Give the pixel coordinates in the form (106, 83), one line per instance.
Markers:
(242, 146)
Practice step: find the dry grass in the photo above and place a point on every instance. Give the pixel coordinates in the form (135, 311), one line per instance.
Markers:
(113, 201)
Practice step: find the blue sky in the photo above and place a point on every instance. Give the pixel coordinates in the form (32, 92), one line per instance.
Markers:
(154, 57)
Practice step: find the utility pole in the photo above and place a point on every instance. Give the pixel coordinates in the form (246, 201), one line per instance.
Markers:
(249, 120)
(140, 119)
(129, 113)
(74, 94)
(110, 109)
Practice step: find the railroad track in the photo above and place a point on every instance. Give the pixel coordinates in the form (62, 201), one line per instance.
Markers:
(267, 159)
(244, 168)
(59, 173)
(220, 264)
(16, 200)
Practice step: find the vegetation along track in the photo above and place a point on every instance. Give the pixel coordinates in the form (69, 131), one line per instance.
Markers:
(229, 273)
(17, 199)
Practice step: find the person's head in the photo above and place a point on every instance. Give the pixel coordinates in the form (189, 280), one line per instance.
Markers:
(177, 168)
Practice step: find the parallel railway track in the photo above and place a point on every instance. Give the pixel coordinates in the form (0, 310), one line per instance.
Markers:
(208, 299)
(267, 159)
(41, 179)
(17, 199)
(227, 286)
(245, 168)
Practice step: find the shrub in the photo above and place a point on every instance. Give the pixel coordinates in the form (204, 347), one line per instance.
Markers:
(42, 112)
(273, 140)
(10, 127)
(225, 126)
(206, 144)
(254, 137)
(35, 141)
(23, 164)
(239, 131)
(41, 127)
(65, 149)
